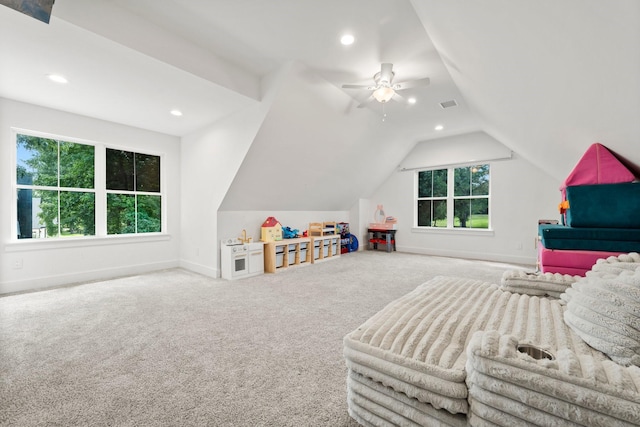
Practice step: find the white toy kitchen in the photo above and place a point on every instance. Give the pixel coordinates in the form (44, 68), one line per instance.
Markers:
(240, 258)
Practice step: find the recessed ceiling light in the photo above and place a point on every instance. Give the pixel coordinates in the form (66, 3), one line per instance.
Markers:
(57, 78)
(439, 127)
(347, 39)
(176, 112)
(411, 100)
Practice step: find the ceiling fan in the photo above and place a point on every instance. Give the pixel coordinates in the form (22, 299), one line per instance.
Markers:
(384, 89)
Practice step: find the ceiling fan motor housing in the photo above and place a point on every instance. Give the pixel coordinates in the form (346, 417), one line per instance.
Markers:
(385, 76)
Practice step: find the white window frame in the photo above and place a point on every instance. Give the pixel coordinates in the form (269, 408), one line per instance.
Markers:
(450, 199)
(101, 236)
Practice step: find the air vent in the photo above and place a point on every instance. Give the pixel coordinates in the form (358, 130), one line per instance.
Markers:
(449, 104)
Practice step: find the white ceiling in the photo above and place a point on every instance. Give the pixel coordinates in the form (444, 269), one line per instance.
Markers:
(546, 78)
(107, 80)
(142, 58)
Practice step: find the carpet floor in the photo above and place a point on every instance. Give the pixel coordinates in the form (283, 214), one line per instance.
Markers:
(174, 348)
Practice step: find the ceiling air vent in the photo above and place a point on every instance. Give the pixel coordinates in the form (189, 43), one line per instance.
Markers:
(449, 104)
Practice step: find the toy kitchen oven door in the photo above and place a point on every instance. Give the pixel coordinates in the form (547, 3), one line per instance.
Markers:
(239, 260)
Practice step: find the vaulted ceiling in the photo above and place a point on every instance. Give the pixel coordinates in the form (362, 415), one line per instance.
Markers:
(545, 78)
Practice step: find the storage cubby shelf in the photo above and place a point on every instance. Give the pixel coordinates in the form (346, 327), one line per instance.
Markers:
(300, 251)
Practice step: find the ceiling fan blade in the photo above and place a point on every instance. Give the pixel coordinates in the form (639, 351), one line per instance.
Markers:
(399, 98)
(402, 100)
(412, 83)
(365, 102)
(367, 87)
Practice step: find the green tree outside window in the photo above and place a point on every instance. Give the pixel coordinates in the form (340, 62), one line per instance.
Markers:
(57, 198)
(56, 194)
(465, 189)
(471, 211)
(130, 177)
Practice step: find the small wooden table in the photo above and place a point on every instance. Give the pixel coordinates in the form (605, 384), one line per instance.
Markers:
(382, 236)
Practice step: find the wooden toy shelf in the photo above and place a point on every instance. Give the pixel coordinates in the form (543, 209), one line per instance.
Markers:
(325, 247)
(300, 251)
(322, 228)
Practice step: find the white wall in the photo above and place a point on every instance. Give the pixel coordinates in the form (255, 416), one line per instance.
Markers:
(210, 159)
(520, 195)
(231, 223)
(26, 265)
(359, 218)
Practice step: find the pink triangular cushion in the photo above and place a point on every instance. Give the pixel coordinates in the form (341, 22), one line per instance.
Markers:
(597, 166)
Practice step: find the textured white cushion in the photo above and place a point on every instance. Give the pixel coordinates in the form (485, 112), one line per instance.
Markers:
(373, 404)
(616, 264)
(416, 345)
(508, 388)
(604, 310)
(540, 284)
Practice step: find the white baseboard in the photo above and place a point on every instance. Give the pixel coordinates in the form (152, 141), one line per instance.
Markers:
(484, 256)
(199, 268)
(45, 282)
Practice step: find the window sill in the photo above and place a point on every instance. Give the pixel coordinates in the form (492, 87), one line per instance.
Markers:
(64, 243)
(484, 232)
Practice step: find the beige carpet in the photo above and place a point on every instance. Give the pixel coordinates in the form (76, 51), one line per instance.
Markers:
(174, 348)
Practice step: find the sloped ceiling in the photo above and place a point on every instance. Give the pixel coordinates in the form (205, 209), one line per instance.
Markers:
(547, 78)
(313, 153)
(128, 83)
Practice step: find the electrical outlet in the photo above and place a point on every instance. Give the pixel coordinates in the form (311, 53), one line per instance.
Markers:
(17, 264)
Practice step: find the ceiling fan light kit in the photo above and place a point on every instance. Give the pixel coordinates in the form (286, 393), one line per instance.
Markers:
(383, 94)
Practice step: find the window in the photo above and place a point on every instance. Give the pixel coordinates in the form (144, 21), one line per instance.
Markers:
(55, 186)
(58, 191)
(133, 187)
(432, 198)
(456, 197)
